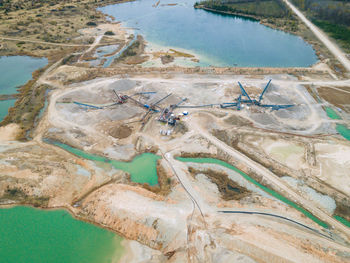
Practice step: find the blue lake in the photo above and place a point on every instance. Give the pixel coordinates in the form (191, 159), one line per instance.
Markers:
(4, 106)
(218, 40)
(16, 71)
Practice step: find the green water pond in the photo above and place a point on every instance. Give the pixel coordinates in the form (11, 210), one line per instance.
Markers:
(142, 169)
(147, 167)
(29, 235)
(332, 114)
(342, 129)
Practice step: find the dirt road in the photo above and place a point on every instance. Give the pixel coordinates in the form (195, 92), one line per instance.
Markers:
(180, 171)
(95, 44)
(322, 37)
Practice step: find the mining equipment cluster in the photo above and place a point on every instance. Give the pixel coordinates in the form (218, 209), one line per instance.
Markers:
(249, 101)
(167, 114)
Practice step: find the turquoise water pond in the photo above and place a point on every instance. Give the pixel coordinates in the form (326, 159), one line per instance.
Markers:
(16, 71)
(4, 106)
(142, 169)
(29, 235)
(342, 129)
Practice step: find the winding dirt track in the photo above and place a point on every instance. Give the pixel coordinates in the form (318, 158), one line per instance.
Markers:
(270, 177)
(336, 51)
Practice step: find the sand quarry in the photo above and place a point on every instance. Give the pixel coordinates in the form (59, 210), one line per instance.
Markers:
(198, 212)
(291, 151)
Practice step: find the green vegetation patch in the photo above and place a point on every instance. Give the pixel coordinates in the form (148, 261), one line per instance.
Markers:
(131, 51)
(109, 33)
(336, 12)
(338, 32)
(17, 195)
(331, 16)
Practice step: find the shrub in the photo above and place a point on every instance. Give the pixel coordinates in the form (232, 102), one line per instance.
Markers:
(109, 33)
(90, 23)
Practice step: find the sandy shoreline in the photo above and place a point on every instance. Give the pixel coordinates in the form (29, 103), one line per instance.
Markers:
(151, 48)
(135, 252)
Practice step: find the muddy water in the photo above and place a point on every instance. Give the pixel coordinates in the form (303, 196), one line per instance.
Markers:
(16, 71)
(32, 235)
(218, 40)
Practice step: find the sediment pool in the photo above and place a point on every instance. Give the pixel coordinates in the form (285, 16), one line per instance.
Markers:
(218, 40)
(32, 235)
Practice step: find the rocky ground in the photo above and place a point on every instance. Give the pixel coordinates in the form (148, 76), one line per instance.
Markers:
(185, 224)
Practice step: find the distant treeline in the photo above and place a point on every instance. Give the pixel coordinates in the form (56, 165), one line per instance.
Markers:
(259, 8)
(337, 12)
(339, 32)
(331, 16)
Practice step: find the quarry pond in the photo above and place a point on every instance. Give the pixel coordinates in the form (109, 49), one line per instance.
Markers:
(16, 71)
(217, 40)
(33, 235)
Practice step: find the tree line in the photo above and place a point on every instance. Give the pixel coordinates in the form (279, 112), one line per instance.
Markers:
(337, 12)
